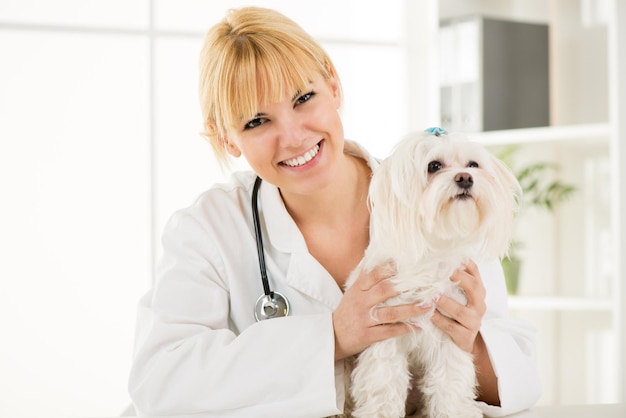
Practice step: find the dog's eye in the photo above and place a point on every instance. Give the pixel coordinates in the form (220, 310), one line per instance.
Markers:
(473, 164)
(434, 166)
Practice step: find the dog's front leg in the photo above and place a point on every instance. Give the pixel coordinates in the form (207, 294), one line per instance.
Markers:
(449, 381)
(380, 380)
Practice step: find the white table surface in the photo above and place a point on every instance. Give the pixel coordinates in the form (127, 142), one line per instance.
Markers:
(575, 411)
(572, 411)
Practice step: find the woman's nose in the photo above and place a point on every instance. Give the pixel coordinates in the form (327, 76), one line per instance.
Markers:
(291, 131)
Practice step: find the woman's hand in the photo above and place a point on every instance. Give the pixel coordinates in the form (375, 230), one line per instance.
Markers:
(358, 322)
(465, 320)
(463, 326)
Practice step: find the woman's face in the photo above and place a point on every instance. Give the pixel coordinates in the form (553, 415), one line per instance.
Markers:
(296, 143)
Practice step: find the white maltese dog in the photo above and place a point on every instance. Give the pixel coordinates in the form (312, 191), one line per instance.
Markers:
(438, 201)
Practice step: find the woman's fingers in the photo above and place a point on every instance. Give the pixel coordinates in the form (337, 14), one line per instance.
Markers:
(369, 279)
(361, 320)
(462, 322)
(382, 332)
(393, 314)
(465, 316)
(470, 281)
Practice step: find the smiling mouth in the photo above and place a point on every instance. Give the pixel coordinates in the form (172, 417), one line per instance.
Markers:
(304, 158)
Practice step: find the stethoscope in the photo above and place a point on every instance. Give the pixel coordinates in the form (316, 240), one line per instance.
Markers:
(270, 304)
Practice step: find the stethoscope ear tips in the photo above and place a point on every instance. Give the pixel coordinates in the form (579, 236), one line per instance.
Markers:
(271, 306)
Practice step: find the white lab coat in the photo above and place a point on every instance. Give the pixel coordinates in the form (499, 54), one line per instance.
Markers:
(199, 351)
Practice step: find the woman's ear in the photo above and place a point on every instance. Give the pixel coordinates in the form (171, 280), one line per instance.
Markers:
(230, 147)
(334, 85)
(335, 89)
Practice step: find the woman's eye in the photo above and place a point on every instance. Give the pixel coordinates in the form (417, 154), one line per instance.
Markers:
(434, 166)
(305, 97)
(254, 123)
(473, 164)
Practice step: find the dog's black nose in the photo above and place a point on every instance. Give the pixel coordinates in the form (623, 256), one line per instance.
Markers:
(464, 180)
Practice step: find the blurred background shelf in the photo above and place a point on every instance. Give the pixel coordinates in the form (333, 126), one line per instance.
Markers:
(572, 284)
(591, 133)
(560, 303)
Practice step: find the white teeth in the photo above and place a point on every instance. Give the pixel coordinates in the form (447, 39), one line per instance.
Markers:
(303, 159)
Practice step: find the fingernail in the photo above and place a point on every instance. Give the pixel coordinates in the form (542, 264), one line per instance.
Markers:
(425, 305)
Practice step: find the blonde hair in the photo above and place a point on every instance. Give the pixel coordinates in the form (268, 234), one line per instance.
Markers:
(254, 55)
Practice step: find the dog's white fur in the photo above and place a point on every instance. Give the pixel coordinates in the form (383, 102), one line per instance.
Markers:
(428, 226)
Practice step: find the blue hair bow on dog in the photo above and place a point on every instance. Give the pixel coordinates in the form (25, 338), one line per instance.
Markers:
(436, 131)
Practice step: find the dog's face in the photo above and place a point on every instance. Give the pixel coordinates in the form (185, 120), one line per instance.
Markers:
(437, 192)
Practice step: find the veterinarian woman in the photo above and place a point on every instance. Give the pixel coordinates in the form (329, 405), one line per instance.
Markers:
(271, 95)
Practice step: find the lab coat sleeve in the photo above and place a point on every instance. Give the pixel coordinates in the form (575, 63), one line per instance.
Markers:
(188, 361)
(511, 345)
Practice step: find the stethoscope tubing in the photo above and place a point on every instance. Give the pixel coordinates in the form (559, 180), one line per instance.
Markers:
(270, 304)
(259, 237)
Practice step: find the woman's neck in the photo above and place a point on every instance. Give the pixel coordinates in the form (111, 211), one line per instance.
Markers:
(335, 222)
(347, 196)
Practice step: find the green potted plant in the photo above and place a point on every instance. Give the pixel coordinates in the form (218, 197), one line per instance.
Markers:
(539, 190)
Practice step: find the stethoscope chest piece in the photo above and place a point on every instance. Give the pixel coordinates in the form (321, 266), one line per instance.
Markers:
(271, 306)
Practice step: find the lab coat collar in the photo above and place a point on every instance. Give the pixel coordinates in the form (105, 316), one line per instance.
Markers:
(304, 273)
(282, 231)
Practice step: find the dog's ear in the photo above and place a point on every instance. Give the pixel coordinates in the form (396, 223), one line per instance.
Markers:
(395, 193)
(509, 180)
(407, 176)
(508, 206)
